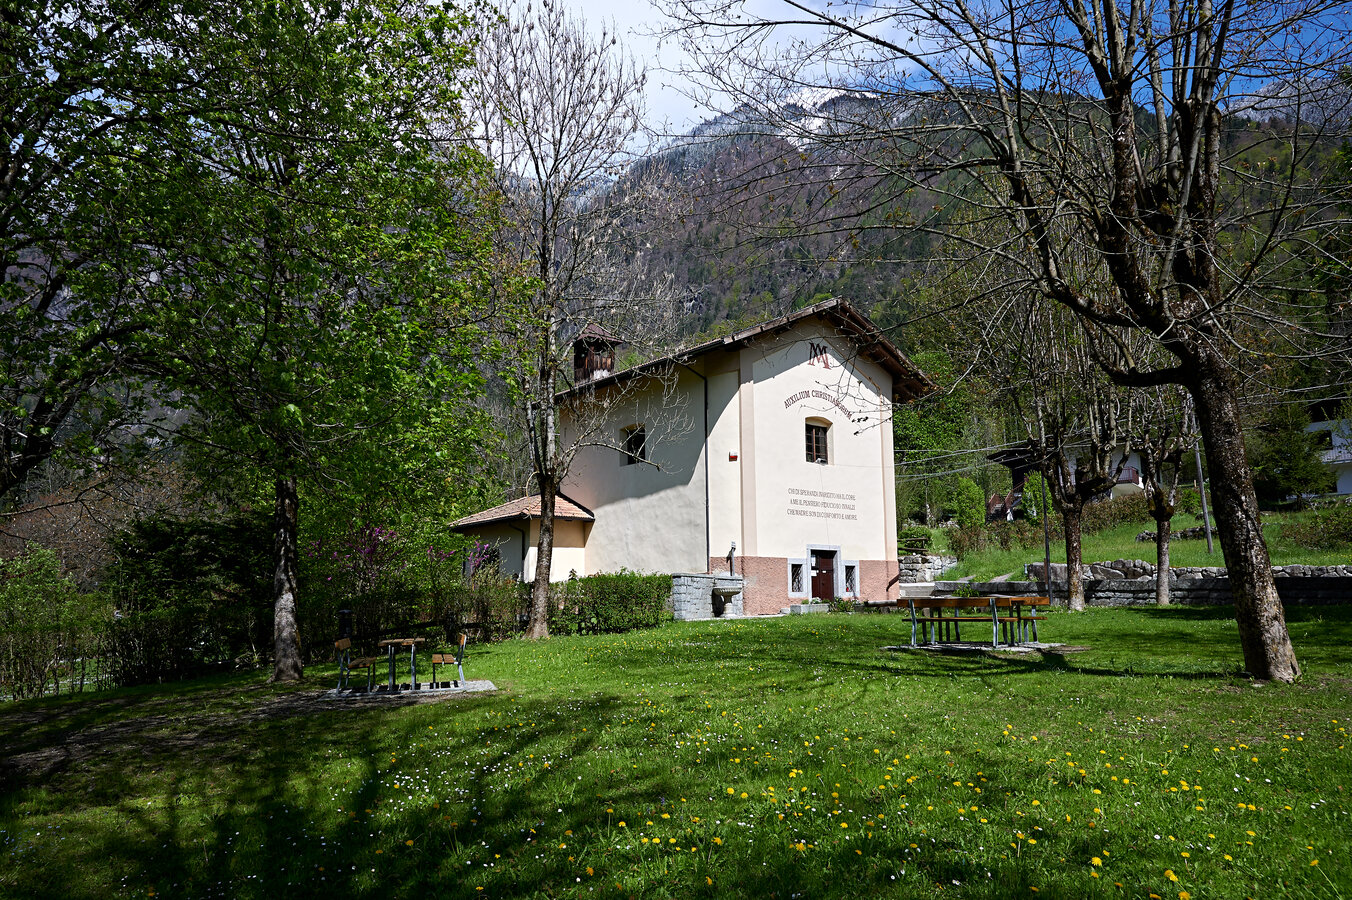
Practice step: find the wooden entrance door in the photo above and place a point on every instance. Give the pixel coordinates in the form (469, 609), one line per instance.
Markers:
(824, 575)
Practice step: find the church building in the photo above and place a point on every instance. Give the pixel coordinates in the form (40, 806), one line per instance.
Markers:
(769, 450)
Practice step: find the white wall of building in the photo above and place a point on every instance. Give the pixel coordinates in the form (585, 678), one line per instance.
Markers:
(1339, 456)
(849, 501)
(649, 516)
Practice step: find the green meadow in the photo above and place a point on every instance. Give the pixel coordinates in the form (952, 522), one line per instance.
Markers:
(782, 758)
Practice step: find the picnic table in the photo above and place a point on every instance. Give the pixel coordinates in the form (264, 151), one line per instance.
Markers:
(391, 645)
(1015, 617)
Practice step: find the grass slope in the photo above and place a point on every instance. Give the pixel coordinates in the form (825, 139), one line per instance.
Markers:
(1120, 543)
(778, 758)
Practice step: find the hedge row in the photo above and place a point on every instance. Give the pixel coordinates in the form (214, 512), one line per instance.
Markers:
(609, 603)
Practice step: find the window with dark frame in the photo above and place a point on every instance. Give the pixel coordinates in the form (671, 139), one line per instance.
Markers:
(816, 443)
(635, 445)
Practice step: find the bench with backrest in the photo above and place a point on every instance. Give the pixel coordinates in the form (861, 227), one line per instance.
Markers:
(456, 659)
(1010, 617)
(347, 663)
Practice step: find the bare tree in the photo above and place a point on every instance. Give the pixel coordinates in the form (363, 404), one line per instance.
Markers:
(1167, 434)
(1076, 422)
(559, 114)
(1103, 129)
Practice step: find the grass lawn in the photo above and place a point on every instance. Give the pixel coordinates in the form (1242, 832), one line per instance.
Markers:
(778, 758)
(1121, 543)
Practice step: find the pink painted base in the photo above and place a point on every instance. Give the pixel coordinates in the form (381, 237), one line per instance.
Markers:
(767, 581)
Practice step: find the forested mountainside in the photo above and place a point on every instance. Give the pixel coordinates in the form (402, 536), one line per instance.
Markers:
(773, 221)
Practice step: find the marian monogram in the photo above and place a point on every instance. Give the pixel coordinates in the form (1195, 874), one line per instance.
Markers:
(818, 355)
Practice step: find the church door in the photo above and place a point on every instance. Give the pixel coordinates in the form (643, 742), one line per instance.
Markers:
(824, 575)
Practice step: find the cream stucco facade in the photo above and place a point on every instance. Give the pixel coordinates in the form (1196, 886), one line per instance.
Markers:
(728, 429)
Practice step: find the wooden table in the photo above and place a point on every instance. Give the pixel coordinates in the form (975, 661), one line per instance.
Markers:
(1012, 615)
(412, 645)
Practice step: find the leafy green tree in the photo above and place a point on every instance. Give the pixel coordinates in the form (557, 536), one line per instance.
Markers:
(968, 503)
(1035, 502)
(1286, 458)
(318, 295)
(87, 114)
(929, 437)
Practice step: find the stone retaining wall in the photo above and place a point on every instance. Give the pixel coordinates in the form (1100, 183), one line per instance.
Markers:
(1311, 590)
(917, 568)
(1139, 568)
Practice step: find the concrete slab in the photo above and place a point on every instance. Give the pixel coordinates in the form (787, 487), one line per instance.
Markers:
(978, 647)
(406, 691)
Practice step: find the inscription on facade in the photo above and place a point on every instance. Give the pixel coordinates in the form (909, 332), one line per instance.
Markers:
(821, 504)
(818, 395)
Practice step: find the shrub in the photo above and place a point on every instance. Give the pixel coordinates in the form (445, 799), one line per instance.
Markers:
(191, 595)
(842, 604)
(1189, 501)
(1131, 509)
(610, 603)
(496, 605)
(1327, 529)
(1017, 535)
(915, 537)
(48, 629)
(964, 541)
(968, 504)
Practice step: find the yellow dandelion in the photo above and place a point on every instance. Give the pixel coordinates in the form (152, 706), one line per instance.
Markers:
(1169, 874)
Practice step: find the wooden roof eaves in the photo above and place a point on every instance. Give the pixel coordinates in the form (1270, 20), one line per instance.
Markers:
(864, 333)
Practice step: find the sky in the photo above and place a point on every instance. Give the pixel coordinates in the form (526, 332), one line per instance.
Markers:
(666, 103)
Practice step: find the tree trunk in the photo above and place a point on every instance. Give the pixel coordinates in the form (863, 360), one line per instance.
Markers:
(285, 636)
(544, 560)
(1162, 531)
(1074, 582)
(1268, 654)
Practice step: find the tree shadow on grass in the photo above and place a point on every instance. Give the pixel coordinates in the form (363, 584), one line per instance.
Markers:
(258, 811)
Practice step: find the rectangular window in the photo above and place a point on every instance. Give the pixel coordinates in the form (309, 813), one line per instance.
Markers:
(816, 443)
(634, 442)
(798, 578)
(851, 580)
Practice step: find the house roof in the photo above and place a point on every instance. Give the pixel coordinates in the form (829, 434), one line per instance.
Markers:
(909, 382)
(525, 508)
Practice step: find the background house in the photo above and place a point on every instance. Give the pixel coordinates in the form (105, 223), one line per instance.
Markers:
(772, 445)
(1336, 452)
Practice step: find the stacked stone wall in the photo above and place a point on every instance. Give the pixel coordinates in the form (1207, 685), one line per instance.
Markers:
(1295, 590)
(918, 568)
(692, 596)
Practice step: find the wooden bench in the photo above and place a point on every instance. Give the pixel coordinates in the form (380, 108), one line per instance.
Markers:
(1012, 616)
(456, 659)
(346, 663)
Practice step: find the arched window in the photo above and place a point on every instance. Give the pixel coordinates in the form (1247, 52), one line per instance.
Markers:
(817, 433)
